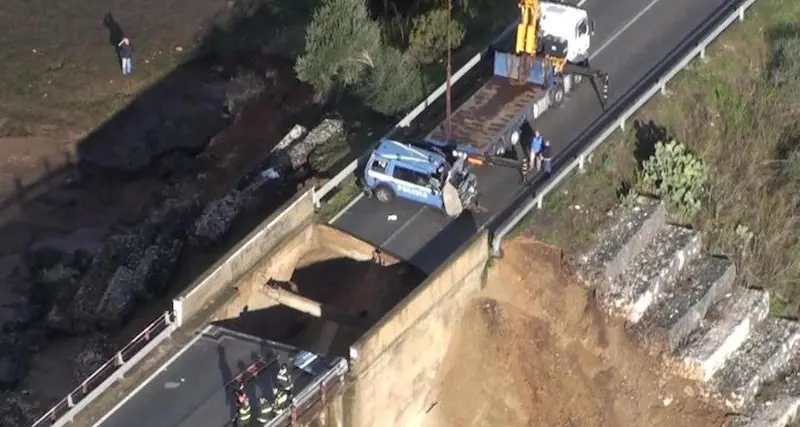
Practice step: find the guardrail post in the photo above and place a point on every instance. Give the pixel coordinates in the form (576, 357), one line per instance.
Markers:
(663, 88)
(581, 162)
(622, 124)
(741, 13)
(120, 359)
(539, 201)
(177, 308)
(70, 402)
(703, 52)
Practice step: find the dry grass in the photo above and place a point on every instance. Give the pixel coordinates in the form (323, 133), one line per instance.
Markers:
(726, 110)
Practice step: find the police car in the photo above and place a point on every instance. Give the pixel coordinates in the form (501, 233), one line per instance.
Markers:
(421, 175)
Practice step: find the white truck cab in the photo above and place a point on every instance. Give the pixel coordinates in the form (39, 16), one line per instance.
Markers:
(570, 26)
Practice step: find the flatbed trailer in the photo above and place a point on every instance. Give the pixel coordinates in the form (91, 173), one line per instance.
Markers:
(486, 120)
(520, 90)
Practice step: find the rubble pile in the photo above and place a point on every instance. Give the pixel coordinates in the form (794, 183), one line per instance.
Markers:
(685, 306)
(95, 352)
(288, 156)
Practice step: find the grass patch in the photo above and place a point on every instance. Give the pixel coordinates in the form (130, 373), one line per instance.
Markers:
(740, 119)
(346, 193)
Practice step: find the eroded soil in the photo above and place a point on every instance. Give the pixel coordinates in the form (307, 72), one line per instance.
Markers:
(533, 350)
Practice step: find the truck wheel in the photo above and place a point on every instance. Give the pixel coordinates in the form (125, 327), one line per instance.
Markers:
(367, 192)
(384, 194)
(557, 95)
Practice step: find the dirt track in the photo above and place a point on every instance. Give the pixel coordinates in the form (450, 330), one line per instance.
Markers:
(532, 350)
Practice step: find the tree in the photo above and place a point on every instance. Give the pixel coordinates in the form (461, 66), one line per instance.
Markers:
(341, 43)
(429, 35)
(393, 84)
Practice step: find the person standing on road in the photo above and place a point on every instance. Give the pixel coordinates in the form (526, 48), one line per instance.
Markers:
(536, 148)
(547, 159)
(125, 52)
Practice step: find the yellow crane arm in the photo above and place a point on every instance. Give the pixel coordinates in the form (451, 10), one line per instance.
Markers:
(528, 28)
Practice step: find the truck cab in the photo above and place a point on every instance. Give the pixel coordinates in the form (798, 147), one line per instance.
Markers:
(422, 175)
(566, 32)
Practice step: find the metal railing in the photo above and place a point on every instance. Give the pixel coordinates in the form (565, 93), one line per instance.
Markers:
(110, 372)
(406, 121)
(314, 396)
(695, 44)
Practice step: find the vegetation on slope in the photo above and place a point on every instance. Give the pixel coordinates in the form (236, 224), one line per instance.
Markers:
(737, 112)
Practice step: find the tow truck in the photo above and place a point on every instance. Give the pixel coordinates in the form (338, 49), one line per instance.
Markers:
(550, 56)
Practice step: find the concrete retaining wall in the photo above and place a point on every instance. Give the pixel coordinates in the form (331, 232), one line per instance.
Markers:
(395, 363)
(239, 260)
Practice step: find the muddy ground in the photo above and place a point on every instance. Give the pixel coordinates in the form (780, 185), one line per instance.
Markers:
(533, 350)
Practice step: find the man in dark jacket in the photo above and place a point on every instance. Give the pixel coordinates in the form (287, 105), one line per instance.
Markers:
(125, 52)
(547, 159)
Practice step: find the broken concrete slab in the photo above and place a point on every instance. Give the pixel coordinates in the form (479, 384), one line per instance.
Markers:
(617, 246)
(778, 412)
(768, 350)
(727, 325)
(652, 272)
(703, 282)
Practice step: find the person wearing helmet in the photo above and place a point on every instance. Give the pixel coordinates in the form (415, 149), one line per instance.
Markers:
(243, 410)
(284, 379)
(266, 410)
(281, 401)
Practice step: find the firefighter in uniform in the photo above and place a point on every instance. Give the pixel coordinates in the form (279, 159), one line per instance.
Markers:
(285, 380)
(281, 401)
(266, 411)
(282, 394)
(243, 410)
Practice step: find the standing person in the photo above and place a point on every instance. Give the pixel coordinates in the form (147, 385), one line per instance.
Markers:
(536, 148)
(266, 411)
(546, 157)
(125, 52)
(243, 409)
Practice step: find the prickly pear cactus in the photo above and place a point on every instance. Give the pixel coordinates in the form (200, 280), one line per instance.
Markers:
(677, 176)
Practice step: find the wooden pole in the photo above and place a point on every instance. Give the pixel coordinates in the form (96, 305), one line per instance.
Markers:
(449, 71)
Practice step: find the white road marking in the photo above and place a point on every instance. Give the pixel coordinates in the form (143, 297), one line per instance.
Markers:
(623, 29)
(161, 369)
(402, 227)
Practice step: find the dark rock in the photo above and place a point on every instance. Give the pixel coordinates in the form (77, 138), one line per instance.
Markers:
(76, 314)
(10, 374)
(73, 250)
(95, 352)
(118, 300)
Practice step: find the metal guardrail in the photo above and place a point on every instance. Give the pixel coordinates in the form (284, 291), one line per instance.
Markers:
(350, 169)
(313, 396)
(725, 16)
(110, 372)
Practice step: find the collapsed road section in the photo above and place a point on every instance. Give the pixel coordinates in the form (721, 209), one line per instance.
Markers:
(341, 316)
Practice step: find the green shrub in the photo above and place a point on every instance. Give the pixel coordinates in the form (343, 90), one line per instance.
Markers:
(429, 35)
(341, 42)
(393, 84)
(677, 176)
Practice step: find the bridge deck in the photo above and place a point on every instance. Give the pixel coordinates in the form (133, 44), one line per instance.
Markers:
(190, 391)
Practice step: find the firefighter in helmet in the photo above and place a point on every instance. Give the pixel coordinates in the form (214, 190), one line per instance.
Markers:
(266, 410)
(243, 409)
(284, 379)
(282, 400)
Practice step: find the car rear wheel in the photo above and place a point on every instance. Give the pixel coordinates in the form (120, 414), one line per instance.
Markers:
(384, 194)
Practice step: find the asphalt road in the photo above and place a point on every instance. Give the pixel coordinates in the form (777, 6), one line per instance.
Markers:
(190, 391)
(631, 37)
